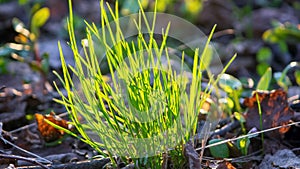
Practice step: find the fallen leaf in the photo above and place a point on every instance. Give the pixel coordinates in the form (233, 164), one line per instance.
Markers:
(275, 111)
(48, 132)
(226, 165)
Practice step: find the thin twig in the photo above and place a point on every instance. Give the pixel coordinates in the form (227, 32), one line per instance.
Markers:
(296, 149)
(248, 135)
(223, 32)
(22, 128)
(222, 131)
(31, 160)
(254, 155)
(25, 151)
(204, 140)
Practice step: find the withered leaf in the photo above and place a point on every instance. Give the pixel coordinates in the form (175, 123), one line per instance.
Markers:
(48, 132)
(225, 165)
(275, 111)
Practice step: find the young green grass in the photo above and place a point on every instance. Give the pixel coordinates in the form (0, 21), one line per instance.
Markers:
(260, 119)
(149, 106)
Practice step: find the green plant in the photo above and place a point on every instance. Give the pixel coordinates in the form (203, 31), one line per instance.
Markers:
(234, 88)
(260, 118)
(281, 77)
(287, 32)
(283, 35)
(265, 80)
(148, 106)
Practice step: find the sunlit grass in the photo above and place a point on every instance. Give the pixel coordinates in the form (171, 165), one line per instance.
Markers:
(147, 106)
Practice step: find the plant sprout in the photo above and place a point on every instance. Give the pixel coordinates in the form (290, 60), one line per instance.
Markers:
(151, 102)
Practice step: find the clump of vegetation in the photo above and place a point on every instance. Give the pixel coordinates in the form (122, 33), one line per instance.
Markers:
(147, 108)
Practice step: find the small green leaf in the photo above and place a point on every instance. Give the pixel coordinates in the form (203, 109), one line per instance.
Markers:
(239, 117)
(297, 76)
(282, 80)
(229, 83)
(264, 54)
(39, 18)
(286, 32)
(243, 145)
(218, 151)
(265, 80)
(227, 101)
(35, 8)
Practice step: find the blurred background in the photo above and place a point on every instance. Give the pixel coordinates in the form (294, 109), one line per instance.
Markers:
(263, 32)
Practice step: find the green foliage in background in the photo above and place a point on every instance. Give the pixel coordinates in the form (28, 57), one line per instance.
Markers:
(190, 9)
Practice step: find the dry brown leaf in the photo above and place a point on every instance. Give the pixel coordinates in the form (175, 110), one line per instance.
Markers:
(226, 165)
(48, 132)
(275, 111)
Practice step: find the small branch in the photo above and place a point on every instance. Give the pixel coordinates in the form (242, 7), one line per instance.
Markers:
(31, 160)
(25, 151)
(223, 32)
(231, 126)
(248, 135)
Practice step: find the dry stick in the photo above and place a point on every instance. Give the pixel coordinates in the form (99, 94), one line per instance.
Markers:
(222, 131)
(248, 135)
(254, 155)
(204, 140)
(223, 32)
(296, 149)
(22, 128)
(31, 160)
(25, 151)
